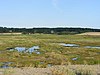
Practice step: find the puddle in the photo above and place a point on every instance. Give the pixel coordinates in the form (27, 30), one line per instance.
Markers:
(20, 49)
(77, 46)
(34, 49)
(75, 58)
(49, 65)
(98, 47)
(5, 64)
(69, 45)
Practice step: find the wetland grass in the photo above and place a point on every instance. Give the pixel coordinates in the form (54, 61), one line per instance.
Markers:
(51, 51)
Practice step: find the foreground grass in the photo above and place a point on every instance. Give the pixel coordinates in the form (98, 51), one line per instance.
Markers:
(51, 52)
(54, 70)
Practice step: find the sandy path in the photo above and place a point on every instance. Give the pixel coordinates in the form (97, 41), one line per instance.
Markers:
(90, 33)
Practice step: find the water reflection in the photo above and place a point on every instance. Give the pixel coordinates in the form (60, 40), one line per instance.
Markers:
(77, 46)
(34, 49)
(20, 49)
(69, 45)
(98, 47)
(76, 58)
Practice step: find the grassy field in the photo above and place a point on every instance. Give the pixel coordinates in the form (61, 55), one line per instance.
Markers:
(51, 52)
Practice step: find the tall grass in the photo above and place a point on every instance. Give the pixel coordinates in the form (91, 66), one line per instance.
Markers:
(54, 70)
(76, 70)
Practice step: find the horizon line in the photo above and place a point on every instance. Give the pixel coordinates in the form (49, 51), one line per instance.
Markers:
(50, 27)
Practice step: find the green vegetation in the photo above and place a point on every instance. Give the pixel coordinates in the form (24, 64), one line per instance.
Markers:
(51, 52)
(59, 31)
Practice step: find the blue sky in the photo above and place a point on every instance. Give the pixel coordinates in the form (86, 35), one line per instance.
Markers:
(50, 13)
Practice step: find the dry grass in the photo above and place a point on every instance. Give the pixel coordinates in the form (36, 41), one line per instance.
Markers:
(76, 70)
(54, 70)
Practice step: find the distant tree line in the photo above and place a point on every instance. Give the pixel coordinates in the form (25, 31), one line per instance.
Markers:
(47, 30)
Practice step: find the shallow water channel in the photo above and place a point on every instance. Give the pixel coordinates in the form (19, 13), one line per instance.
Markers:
(98, 47)
(69, 45)
(77, 46)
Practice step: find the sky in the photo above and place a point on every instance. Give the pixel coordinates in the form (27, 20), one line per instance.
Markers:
(50, 13)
